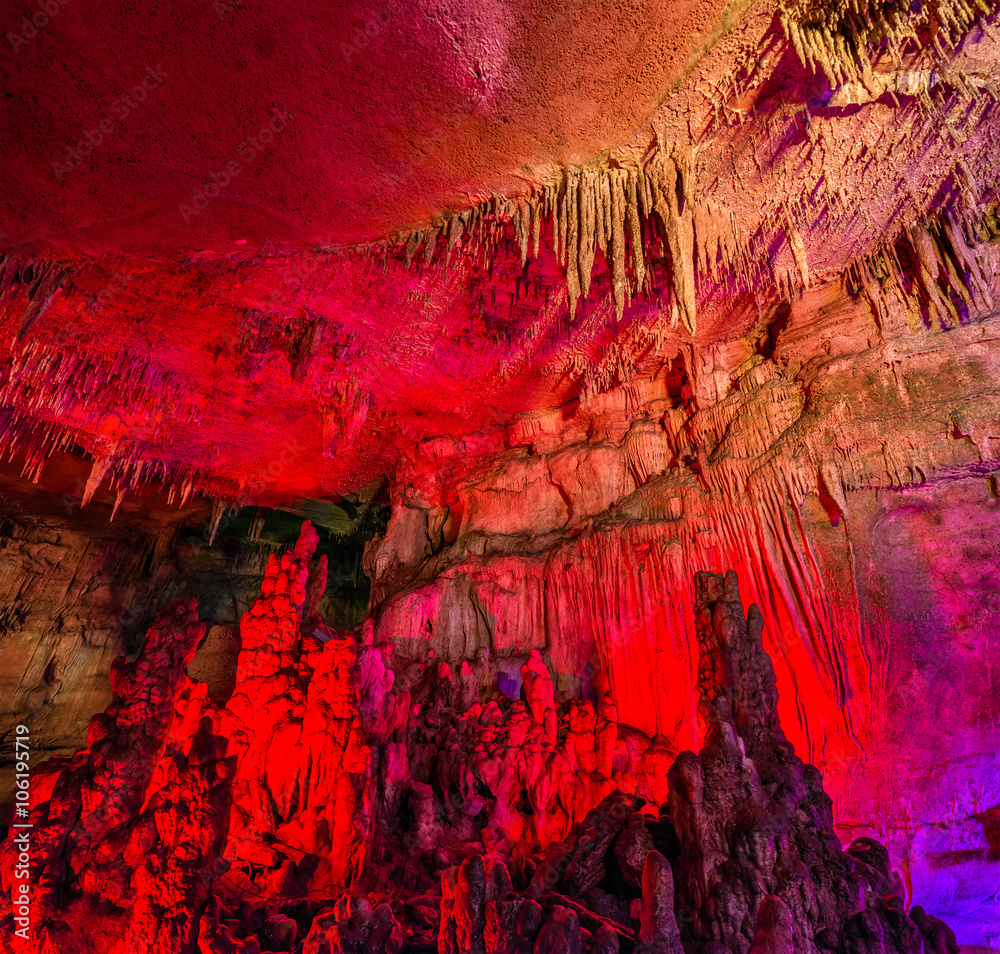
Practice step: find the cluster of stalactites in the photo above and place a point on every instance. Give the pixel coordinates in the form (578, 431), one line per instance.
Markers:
(591, 209)
(625, 212)
(934, 265)
(45, 280)
(43, 384)
(837, 37)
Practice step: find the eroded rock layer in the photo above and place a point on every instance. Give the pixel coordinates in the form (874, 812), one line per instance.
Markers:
(845, 466)
(847, 471)
(79, 586)
(794, 151)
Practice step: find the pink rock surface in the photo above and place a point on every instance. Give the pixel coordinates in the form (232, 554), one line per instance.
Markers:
(604, 296)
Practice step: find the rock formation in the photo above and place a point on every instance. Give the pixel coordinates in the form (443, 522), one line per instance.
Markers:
(453, 813)
(126, 835)
(474, 330)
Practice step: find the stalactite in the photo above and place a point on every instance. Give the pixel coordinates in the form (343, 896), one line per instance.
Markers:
(571, 206)
(838, 37)
(635, 228)
(619, 288)
(799, 253)
(607, 208)
(588, 225)
(603, 211)
(677, 221)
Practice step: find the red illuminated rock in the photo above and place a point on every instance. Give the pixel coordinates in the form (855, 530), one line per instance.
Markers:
(674, 288)
(303, 787)
(326, 770)
(595, 296)
(860, 550)
(127, 835)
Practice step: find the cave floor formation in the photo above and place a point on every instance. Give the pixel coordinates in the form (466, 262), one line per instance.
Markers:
(461, 817)
(490, 476)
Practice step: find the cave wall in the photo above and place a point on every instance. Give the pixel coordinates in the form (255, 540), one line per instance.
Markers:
(430, 793)
(647, 292)
(846, 467)
(79, 589)
(81, 582)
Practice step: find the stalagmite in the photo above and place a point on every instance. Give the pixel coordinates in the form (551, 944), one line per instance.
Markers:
(724, 861)
(658, 932)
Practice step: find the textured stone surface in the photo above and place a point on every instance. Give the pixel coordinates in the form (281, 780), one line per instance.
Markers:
(726, 197)
(397, 112)
(874, 555)
(604, 295)
(127, 835)
(79, 589)
(186, 824)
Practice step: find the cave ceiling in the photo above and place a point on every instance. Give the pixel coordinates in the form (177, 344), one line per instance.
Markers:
(261, 252)
(534, 310)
